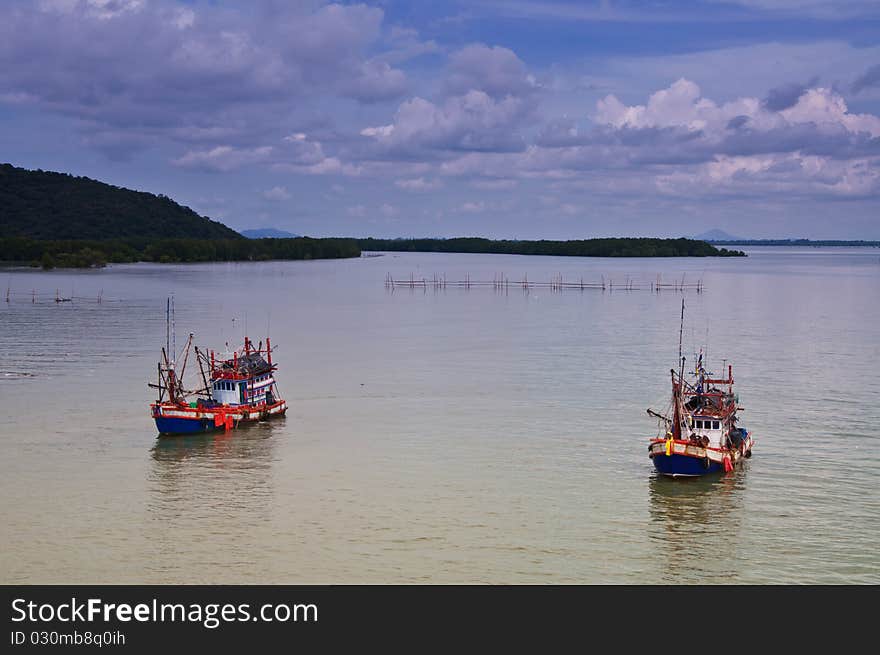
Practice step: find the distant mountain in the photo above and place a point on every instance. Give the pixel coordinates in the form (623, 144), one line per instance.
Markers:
(267, 233)
(715, 235)
(46, 205)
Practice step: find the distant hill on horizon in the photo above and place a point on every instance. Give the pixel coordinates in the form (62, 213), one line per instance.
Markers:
(715, 235)
(268, 233)
(37, 204)
(721, 238)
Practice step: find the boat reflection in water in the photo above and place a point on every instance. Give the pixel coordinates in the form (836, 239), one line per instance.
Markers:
(251, 445)
(214, 489)
(694, 523)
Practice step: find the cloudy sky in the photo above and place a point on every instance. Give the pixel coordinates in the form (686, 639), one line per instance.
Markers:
(498, 118)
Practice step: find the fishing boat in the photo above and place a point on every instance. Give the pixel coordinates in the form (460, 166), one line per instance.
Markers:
(237, 387)
(699, 433)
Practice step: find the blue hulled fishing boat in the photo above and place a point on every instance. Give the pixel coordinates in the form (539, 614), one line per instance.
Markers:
(699, 433)
(236, 388)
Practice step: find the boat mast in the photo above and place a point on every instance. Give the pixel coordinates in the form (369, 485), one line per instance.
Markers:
(167, 324)
(680, 357)
(174, 334)
(168, 352)
(677, 387)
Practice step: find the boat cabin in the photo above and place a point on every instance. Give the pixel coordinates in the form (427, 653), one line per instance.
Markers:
(257, 390)
(711, 427)
(228, 392)
(260, 390)
(246, 378)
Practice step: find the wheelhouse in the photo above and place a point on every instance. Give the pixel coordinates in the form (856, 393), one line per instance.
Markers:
(711, 427)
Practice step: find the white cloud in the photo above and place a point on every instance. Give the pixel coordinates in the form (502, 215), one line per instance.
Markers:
(494, 185)
(792, 173)
(685, 144)
(405, 44)
(304, 155)
(330, 166)
(167, 70)
(682, 105)
(496, 71)
(376, 81)
(100, 9)
(276, 193)
(472, 207)
(378, 132)
(419, 184)
(473, 121)
(826, 108)
(223, 158)
(725, 73)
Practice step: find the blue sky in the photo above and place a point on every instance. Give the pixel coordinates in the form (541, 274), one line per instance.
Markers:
(515, 119)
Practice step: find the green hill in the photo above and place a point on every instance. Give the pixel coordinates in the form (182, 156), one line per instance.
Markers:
(58, 220)
(46, 205)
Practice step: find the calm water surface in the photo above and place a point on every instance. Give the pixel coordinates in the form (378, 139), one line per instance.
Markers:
(452, 436)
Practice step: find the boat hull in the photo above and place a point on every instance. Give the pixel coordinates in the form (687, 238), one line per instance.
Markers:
(173, 420)
(169, 425)
(685, 466)
(682, 459)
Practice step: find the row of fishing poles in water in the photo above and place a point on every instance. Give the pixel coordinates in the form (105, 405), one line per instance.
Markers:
(38, 297)
(501, 282)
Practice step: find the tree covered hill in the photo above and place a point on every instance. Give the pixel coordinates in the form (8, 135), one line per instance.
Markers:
(46, 205)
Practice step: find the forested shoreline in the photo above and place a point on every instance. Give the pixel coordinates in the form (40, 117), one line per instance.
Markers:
(95, 253)
(90, 253)
(610, 247)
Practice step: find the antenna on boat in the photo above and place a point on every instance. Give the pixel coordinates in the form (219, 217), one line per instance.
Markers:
(707, 342)
(681, 330)
(173, 335)
(167, 323)
(680, 370)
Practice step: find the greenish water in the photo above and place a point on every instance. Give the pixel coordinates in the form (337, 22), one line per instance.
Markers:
(451, 436)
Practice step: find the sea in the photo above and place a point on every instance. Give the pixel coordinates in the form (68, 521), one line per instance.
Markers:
(444, 435)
